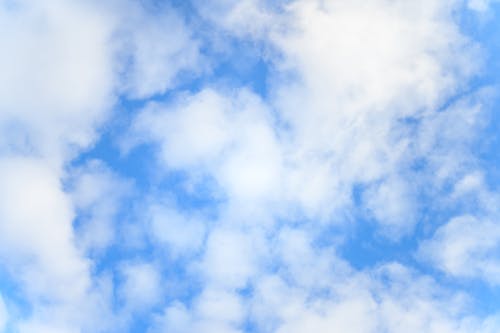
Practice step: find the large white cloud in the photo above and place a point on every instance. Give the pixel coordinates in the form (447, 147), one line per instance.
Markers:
(56, 76)
(39, 252)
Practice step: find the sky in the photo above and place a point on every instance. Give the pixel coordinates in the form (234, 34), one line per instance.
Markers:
(251, 166)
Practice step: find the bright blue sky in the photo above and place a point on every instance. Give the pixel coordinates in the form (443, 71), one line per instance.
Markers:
(249, 166)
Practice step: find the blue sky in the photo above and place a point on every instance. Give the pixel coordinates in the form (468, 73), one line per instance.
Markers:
(249, 166)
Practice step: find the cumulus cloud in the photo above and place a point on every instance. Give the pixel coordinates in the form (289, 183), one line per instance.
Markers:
(141, 287)
(155, 47)
(39, 252)
(252, 18)
(40, 238)
(226, 137)
(57, 75)
(367, 115)
(97, 194)
(180, 234)
(466, 247)
(214, 311)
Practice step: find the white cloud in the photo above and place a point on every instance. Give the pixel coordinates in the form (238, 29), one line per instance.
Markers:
(155, 48)
(230, 259)
(195, 132)
(393, 205)
(4, 316)
(72, 58)
(97, 194)
(141, 288)
(176, 318)
(183, 235)
(38, 250)
(481, 6)
(215, 311)
(388, 299)
(466, 246)
(57, 76)
(244, 18)
(219, 309)
(226, 137)
(38, 242)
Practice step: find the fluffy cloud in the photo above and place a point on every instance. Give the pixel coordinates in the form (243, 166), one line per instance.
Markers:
(466, 247)
(141, 288)
(71, 58)
(252, 18)
(97, 195)
(155, 47)
(39, 239)
(214, 311)
(39, 252)
(57, 75)
(226, 137)
(180, 234)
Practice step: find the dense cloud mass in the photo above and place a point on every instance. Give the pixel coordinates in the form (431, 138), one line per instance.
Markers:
(249, 166)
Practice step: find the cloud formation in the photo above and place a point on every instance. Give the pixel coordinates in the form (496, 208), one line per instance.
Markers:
(147, 185)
